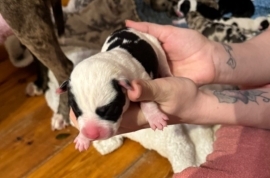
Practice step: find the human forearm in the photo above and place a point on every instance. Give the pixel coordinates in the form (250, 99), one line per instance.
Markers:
(245, 63)
(244, 107)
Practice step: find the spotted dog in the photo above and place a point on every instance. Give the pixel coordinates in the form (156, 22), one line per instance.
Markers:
(215, 31)
(32, 25)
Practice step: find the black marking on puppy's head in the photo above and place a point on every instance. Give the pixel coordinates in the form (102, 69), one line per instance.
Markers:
(118, 31)
(145, 54)
(185, 7)
(121, 35)
(114, 109)
(264, 25)
(73, 104)
(138, 48)
(65, 86)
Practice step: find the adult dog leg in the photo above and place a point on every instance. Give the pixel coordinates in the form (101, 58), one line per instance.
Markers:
(40, 85)
(31, 22)
(58, 16)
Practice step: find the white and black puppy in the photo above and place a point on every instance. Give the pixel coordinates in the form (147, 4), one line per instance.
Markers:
(183, 7)
(248, 24)
(97, 86)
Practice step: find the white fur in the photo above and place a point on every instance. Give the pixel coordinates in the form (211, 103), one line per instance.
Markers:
(90, 82)
(92, 90)
(32, 90)
(193, 5)
(183, 145)
(76, 54)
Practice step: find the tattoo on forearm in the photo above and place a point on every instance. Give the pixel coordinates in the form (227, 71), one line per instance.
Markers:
(231, 62)
(232, 96)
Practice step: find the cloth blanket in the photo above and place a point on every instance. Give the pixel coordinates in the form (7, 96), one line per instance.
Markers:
(88, 23)
(239, 152)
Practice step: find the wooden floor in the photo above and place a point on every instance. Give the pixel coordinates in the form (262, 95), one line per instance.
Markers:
(28, 147)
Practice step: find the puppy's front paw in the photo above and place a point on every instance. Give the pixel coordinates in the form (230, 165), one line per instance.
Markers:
(58, 122)
(33, 90)
(157, 120)
(82, 143)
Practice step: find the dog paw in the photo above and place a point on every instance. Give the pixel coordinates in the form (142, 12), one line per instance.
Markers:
(33, 90)
(58, 122)
(157, 120)
(81, 143)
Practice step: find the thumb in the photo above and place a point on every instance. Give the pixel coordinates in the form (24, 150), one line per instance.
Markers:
(161, 32)
(145, 90)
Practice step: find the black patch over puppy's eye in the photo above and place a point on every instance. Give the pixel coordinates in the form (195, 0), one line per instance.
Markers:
(73, 104)
(114, 109)
(185, 7)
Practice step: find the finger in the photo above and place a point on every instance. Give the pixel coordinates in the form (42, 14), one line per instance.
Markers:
(147, 90)
(73, 118)
(161, 32)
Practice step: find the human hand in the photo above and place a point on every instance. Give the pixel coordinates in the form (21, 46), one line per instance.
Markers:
(176, 97)
(188, 52)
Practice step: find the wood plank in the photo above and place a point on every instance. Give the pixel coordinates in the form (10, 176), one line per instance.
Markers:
(12, 91)
(64, 2)
(29, 141)
(3, 53)
(6, 69)
(25, 131)
(151, 164)
(72, 164)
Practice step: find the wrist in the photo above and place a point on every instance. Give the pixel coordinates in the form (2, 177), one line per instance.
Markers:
(195, 109)
(224, 62)
(240, 64)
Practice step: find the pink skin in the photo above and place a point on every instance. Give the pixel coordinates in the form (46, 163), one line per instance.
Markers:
(94, 131)
(5, 30)
(179, 14)
(90, 131)
(155, 118)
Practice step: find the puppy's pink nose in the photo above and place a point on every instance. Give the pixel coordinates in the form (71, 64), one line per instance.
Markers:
(91, 133)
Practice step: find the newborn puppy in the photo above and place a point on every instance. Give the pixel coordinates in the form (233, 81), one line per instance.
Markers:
(184, 6)
(248, 24)
(97, 88)
(215, 31)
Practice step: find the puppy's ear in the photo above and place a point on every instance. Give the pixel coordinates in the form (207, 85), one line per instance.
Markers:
(125, 83)
(63, 87)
